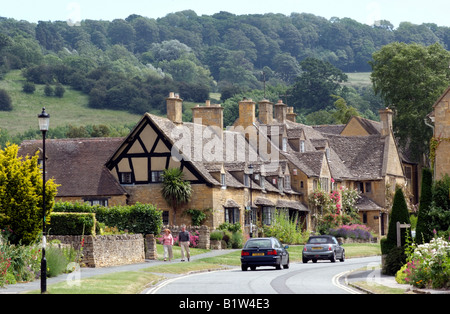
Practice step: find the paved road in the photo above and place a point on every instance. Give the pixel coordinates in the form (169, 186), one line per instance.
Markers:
(322, 278)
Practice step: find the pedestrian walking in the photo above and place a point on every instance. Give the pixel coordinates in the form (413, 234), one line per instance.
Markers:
(167, 242)
(184, 239)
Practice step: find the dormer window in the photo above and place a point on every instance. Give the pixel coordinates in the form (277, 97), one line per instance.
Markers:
(302, 146)
(285, 143)
(223, 181)
(280, 184)
(261, 182)
(247, 180)
(287, 182)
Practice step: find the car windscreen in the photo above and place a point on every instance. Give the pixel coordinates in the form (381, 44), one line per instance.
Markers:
(262, 244)
(320, 241)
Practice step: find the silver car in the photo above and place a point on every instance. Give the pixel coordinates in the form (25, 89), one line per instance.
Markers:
(323, 247)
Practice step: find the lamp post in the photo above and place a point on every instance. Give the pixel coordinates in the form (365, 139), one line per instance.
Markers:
(44, 120)
(250, 172)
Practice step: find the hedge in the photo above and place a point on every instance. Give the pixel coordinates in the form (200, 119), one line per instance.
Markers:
(72, 223)
(139, 218)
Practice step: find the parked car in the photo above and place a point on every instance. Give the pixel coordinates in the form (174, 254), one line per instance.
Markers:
(323, 247)
(264, 252)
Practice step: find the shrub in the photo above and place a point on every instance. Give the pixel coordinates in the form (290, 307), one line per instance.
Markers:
(72, 224)
(5, 101)
(138, 218)
(429, 265)
(286, 230)
(396, 257)
(216, 235)
(353, 231)
(29, 87)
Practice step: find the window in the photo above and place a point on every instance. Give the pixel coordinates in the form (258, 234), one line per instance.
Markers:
(302, 146)
(232, 215)
(368, 187)
(165, 217)
(157, 176)
(324, 184)
(261, 182)
(280, 184)
(93, 202)
(287, 182)
(268, 213)
(222, 180)
(126, 177)
(246, 180)
(285, 143)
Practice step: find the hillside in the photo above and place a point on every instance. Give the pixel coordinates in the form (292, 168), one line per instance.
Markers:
(71, 109)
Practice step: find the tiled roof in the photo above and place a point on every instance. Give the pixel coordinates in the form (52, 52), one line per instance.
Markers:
(78, 165)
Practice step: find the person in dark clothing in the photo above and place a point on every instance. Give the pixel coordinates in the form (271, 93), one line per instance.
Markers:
(184, 239)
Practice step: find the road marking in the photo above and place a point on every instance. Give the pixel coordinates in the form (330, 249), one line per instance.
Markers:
(336, 282)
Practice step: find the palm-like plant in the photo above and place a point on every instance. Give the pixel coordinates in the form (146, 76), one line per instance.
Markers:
(175, 191)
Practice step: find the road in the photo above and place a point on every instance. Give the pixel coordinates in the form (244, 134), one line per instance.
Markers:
(322, 277)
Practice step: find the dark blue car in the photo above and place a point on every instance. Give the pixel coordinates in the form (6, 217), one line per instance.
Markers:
(264, 252)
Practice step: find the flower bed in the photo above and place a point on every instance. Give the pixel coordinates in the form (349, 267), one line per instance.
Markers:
(355, 232)
(428, 266)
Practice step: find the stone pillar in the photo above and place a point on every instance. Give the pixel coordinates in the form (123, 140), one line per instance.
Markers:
(203, 238)
(150, 247)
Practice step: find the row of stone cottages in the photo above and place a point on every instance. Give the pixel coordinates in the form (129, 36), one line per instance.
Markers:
(241, 174)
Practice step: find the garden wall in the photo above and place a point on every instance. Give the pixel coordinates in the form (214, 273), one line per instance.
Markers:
(105, 251)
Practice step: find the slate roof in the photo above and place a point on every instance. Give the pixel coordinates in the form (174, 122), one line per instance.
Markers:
(78, 165)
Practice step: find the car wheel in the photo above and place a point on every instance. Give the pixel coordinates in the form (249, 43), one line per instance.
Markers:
(314, 260)
(244, 267)
(305, 260)
(253, 267)
(287, 265)
(333, 257)
(342, 257)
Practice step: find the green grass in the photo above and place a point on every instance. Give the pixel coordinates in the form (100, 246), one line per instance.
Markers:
(71, 109)
(359, 79)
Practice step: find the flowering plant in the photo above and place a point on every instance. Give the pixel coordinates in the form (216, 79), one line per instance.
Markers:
(352, 231)
(429, 265)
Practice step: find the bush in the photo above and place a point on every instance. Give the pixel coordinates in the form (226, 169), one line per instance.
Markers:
(5, 101)
(138, 218)
(429, 265)
(353, 232)
(29, 87)
(216, 235)
(72, 224)
(286, 230)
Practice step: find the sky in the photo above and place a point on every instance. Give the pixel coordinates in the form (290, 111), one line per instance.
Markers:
(364, 11)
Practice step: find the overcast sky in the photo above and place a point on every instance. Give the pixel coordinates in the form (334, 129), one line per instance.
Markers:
(364, 11)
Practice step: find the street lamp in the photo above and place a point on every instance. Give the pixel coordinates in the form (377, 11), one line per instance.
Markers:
(44, 121)
(250, 172)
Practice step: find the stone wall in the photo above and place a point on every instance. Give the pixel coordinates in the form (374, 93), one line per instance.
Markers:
(105, 251)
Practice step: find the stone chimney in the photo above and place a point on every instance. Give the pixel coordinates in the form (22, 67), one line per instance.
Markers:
(175, 108)
(280, 112)
(386, 121)
(265, 111)
(246, 113)
(209, 115)
(291, 115)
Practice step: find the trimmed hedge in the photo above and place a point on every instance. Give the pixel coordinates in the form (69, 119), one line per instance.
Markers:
(72, 223)
(139, 218)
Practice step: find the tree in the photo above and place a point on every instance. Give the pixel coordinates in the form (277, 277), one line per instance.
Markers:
(423, 228)
(396, 255)
(314, 88)
(175, 191)
(410, 78)
(21, 195)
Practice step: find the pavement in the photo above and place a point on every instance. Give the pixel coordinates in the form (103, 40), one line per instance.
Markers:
(89, 272)
(371, 276)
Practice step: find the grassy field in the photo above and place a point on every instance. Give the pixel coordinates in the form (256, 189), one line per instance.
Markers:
(71, 109)
(359, 79)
